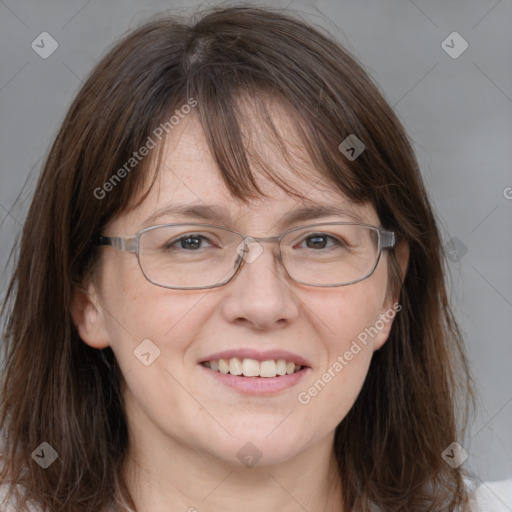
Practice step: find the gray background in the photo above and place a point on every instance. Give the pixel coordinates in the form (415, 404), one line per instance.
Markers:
(458, 111)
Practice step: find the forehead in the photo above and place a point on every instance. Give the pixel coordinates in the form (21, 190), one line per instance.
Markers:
(189, 178)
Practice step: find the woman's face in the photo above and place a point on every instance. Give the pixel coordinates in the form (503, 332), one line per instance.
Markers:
(260, 313)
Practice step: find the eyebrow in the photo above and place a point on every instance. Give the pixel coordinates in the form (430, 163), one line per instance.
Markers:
(221, 215)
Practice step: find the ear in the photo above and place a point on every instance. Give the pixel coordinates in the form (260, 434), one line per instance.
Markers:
(391, 307)
(88, 317)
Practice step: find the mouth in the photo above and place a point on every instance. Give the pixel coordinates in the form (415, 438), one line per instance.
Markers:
(246, 367)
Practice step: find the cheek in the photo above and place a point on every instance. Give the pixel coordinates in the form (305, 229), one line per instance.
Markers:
(137, 310)
(333, 388)
(345, 313)
(346, 319)
(151, 329)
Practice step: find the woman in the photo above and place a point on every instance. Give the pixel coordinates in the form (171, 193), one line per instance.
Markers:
(230, 289)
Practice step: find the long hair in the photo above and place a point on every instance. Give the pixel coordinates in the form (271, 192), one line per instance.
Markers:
(56, 389)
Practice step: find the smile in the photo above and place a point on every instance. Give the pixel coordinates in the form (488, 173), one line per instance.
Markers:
(253, 368)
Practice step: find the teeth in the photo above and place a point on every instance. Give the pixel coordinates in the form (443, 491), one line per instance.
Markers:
(223, 366)
(268, 368)
(235, 366)
(250, 368)
(253, 368)
(281, 367)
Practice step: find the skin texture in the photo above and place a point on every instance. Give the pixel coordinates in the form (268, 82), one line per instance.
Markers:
(186, 428)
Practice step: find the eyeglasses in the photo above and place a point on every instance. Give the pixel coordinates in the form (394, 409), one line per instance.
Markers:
(195, 256)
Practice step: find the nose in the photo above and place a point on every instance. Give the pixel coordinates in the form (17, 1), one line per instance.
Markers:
(261, 293)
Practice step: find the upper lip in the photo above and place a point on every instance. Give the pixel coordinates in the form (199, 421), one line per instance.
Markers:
(248, 353)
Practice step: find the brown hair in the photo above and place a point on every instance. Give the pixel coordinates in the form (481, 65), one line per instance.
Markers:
(59, 390)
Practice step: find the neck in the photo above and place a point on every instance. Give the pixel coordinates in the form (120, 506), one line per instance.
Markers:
(161, 473)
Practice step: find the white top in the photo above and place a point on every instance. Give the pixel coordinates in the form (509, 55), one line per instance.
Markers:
(489, 497)
(494, 497)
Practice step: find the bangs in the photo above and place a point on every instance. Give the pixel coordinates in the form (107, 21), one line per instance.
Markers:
(245, 141)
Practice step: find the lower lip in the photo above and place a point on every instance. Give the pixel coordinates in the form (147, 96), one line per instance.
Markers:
(257, 385)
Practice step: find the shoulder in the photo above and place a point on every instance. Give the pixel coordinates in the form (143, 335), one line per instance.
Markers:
(492, 496)
(10, 504)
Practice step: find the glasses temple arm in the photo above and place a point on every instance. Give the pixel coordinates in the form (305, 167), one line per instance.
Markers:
(387, 239)
(123, 244)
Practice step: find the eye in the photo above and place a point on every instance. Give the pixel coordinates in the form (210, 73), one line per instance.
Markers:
(321, 241)
(188, 242)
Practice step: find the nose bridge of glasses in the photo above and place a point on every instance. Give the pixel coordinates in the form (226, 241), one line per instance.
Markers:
(267, 239)
(249, 249)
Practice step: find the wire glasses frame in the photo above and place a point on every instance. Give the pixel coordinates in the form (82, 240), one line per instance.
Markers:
(386, 240)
